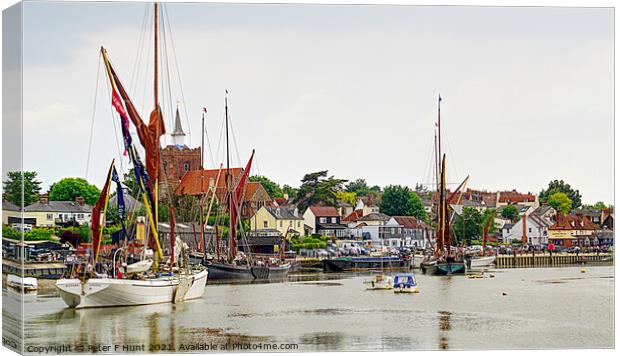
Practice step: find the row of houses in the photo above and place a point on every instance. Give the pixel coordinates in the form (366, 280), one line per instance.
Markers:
(375, 228)
(46, 213)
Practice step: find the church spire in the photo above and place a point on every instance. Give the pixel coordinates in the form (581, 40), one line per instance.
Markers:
(178, 136)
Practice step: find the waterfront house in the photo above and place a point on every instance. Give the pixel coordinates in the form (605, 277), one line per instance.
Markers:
(595, 215)
(506, 231)
(324, 220)
(11, 213)
(369, 227)
(533, 228)
(571, 230)
(277, 218)
(407, 231)
(546, 212)
(46, 213)
(351, 219)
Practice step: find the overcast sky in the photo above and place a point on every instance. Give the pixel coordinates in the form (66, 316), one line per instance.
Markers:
(527, 92)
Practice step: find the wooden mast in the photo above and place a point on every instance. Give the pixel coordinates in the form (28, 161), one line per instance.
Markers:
(231, 224)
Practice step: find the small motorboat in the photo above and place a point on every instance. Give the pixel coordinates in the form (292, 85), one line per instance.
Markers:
(381, 282)
(405, 283)
(27, 284)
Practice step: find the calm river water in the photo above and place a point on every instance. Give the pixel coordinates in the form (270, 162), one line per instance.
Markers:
(517, 309)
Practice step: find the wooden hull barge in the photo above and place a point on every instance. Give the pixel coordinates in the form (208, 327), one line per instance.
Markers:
(112, 292)
(344, 264)
(229, 272)
(444, 268)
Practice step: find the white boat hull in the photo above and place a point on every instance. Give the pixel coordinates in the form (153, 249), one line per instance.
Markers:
(110, 292)
(482, 261)
(27, 284)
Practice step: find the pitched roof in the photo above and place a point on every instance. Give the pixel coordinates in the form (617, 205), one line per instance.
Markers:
(573, 222)
(197, 182)
(409, 222)
(354, 216)
(324, 211)
(516, 197)
(374, 217)
(283, 213)
(59, 207)
(7, 205)
(543, 209)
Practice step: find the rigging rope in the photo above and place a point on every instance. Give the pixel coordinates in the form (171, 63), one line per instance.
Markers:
(92, 121)
(174, 53)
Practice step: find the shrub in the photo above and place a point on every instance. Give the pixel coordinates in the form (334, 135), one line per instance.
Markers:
(38, 234)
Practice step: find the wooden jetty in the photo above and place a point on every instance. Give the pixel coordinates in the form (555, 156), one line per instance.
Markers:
(550, 260)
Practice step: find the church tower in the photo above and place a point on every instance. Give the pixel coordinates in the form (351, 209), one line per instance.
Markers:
(177, 159)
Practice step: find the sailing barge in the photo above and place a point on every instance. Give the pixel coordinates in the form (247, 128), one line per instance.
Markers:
(236, 266)
(154, 278)
(344, 264)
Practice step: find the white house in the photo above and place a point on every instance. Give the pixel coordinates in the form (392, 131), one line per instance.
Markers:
(536, 230)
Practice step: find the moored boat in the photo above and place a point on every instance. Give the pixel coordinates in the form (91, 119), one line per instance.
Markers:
(380, 282)
(113, 292)
(480, 261)
(405, 283)
(343, 264)
(26, 284)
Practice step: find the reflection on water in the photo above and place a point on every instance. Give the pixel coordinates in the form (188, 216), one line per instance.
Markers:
(444, 325)
(336, 312)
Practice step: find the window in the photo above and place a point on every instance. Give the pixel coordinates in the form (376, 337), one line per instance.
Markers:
(529, 229)
(50, 216)
(290, 223)
(280, 223)
(334, 220)
(80, 216)
(265, 224)
(322, 220)
(186, 166)
(298, 224)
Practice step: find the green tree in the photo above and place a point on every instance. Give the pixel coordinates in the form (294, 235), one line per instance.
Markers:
(67, 189)
(346, 197)
(599, 205)
(559, 186)
(560, 202)
(416, 207)
(489, 214)
(270, 186)
(13, 188)
(468, 226)
(396, 200)
(317, 188)
(510, 212)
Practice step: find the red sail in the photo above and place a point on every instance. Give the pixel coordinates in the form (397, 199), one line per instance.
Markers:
(96, 215)
(236, 202)
(149, 135)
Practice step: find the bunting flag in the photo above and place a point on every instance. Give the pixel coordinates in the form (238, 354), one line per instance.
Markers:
(99, 210)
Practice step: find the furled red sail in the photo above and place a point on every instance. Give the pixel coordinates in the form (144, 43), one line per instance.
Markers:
(149, 135)
(98, 210)
(233, 206)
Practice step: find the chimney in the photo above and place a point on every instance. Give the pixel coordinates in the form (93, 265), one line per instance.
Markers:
(524, 238)
(43, 199)
(79, 200)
